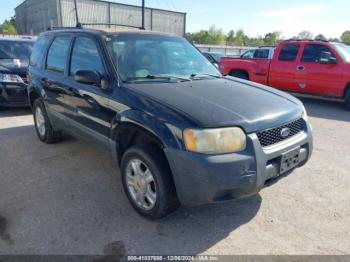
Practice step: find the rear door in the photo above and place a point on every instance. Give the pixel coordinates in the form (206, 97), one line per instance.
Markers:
(283, 67)
(87, 105)
(54, 75)
(316, 78)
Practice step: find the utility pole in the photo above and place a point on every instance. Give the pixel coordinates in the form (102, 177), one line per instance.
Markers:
(143, 14)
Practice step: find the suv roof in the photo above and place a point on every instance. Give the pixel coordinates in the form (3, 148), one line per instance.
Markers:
(105, 32)
(306, 40)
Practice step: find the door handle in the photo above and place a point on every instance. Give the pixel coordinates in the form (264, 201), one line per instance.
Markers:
(300, 68)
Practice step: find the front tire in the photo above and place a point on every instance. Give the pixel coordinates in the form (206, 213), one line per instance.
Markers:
(43, 125)
(347, 100)
(147, 182)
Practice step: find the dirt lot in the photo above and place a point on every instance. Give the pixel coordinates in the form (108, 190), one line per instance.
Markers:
(67, 199)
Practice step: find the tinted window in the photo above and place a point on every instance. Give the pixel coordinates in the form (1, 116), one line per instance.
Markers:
(312, 53)
(15, 50)
(85, 56)
(289, 52)
(38, 51)
(261, 54)
(58, 53)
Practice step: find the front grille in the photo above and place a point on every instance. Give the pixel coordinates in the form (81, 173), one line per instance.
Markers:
(273, 136)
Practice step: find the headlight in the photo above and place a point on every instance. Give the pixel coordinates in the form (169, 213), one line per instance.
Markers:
(305, 114)
(215, 141)
(8, 78)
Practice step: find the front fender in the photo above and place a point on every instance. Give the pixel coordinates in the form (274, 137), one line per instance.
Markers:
(169, 135)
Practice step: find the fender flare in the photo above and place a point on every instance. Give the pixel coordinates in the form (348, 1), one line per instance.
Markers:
(165, 134)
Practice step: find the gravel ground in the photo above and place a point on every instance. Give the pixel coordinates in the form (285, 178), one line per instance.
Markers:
(68, 199)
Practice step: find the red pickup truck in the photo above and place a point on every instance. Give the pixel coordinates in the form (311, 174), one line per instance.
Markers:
(315, 68)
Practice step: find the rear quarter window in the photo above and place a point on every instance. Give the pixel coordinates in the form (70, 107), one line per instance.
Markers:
(38, 50)
(289, 52)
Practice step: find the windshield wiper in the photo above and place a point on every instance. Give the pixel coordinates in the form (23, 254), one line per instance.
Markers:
(199, 75)
(154, 77)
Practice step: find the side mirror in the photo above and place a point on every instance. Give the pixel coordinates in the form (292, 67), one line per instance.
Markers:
(333, 60)
(327, 61)
(327, 58)
(88, 77)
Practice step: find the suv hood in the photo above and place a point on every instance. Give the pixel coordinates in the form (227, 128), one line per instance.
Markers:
(226, 102)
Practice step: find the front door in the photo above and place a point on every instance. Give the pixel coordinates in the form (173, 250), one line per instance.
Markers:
(313, 77)
(87, 106)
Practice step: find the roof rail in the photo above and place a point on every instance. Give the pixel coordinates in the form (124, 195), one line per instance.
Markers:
(78, 26)
(301, 40)
(107, 24)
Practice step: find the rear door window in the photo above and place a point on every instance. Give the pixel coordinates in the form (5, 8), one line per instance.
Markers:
(289, 52)
(313, 53)
(58, 54)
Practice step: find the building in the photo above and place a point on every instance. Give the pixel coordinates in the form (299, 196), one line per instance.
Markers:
(36, 16)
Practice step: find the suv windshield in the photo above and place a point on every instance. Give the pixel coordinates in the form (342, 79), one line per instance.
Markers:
(15, 50)
(154, 57)
(344, 51)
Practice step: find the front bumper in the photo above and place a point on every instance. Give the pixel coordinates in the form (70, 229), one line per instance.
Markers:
(202, 179)
(13, 95)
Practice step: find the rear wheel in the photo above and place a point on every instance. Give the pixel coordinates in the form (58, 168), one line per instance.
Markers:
(43, 126)
(347, 100)
(148, 182)
(239, 74)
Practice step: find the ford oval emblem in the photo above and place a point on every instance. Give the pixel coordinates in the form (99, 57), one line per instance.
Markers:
(285, 132)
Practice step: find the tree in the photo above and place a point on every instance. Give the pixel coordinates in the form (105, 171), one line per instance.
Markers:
(216, 36)
(345, 37)
(305, 35)
(272, 38)
(320, 37)
(239, 38)
(9, 26)
(230, 38)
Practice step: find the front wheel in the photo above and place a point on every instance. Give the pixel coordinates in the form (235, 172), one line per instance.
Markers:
(347, 100)
(43, 126)
(148, 183)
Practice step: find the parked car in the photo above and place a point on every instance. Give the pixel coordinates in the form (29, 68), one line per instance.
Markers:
(180, 131)
(316, 68)
(14, 59)
(214, 58)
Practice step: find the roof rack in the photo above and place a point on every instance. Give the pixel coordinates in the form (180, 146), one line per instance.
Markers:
(301, 40)
(81, 26)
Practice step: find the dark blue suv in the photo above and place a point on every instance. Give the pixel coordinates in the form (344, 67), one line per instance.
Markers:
(180, 131)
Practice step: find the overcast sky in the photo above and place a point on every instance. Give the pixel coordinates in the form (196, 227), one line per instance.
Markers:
(255, 17)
